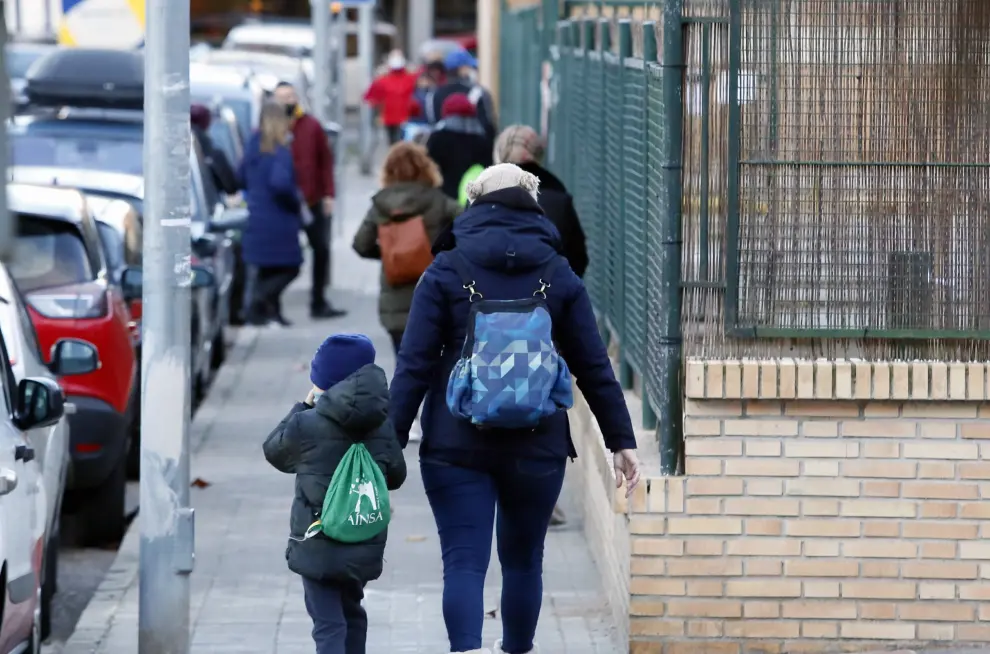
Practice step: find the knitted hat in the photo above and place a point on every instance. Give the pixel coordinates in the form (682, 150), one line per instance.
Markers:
(519, 144)
(458, 104)
(506, 175)
(339, 357)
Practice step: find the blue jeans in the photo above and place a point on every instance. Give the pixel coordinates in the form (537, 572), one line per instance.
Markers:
(340, 624)
(463, 501)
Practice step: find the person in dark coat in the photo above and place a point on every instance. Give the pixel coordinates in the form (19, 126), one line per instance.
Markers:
(507, 242)
(410, 187)
(462, 78)
(522, 146)
(348, 404)
(459, 143)
(220, 167)
(270, 242)
(314, 172)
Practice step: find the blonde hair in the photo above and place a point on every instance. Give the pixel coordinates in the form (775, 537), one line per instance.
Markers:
(274, 126)
(409, 162)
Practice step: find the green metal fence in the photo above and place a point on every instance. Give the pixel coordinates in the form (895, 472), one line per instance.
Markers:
(762, 173)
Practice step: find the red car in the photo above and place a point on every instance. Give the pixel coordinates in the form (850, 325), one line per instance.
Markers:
(61, 270)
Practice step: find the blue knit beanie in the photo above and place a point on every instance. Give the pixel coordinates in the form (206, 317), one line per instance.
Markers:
(339, 357)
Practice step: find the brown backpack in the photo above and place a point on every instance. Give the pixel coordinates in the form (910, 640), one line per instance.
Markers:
(406, 249)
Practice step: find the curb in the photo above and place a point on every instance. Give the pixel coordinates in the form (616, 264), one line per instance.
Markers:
(97, 619)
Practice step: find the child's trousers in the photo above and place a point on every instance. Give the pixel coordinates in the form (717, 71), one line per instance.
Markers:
(340, 625)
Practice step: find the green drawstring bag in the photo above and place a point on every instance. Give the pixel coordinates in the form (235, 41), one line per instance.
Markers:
(356, 506)
(472, 174)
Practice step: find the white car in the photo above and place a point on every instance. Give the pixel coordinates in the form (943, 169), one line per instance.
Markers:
(35, 406)
(299, 41)
(47, 443)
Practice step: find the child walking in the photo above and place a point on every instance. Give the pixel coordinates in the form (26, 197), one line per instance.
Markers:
(348, 404)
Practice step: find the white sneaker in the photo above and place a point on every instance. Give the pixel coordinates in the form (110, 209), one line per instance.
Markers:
(498, 648)
(416, 432)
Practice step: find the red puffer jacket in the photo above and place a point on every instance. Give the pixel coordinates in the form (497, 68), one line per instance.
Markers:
(393, 92)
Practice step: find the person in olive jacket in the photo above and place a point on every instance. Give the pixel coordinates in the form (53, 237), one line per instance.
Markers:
(410, 187)
(348, 404)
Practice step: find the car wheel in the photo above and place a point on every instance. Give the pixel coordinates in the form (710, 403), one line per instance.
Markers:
(218, 353)
(103, 508)
(49, 584)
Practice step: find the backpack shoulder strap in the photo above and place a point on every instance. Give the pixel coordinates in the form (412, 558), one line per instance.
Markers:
(546, 276)
(464, 272)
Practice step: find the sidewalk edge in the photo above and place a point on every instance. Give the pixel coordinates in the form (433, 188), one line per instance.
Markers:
(97, 619)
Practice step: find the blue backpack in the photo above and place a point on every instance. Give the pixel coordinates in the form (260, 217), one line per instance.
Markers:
(510, 375)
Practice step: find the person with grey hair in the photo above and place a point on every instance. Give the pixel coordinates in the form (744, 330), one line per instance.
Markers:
(522, 146)
(502, 248)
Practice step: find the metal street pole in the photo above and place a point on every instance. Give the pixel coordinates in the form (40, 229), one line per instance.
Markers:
(320, 11)
(7, 228)
(366, 53)
(338, 54)
(167, 542)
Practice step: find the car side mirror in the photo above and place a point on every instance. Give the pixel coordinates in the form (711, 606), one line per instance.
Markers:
(202, 277)
(132, 283)
(71, 356)
(40, 403)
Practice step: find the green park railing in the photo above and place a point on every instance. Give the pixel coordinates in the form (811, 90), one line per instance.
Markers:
(751, 175)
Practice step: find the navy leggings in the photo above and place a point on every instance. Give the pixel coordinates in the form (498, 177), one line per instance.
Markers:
(463, 502)
(340, 624)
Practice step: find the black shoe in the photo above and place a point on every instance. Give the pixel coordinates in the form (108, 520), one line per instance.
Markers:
(326, 311)
(282, 320)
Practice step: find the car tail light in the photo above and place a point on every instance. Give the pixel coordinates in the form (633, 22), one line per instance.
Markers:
(71, 302)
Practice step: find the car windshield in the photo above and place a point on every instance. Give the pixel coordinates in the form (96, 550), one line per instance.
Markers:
(49, 253)
(76, 151)
(241, 109)
(18, 61)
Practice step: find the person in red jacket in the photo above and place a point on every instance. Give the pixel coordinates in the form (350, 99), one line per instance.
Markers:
(314, 171)
(392, 93)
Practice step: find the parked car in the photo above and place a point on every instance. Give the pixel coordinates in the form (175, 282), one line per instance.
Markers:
(32, 404)
(60, 268)
(230, 86)
(49, 443)
(213, 247)
(298, 40)
(266, 69)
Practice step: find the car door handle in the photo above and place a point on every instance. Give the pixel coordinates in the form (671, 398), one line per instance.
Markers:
(8, 481)
(24, 453)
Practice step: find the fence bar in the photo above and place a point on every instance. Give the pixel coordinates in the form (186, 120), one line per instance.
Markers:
(624, 50)
(669, 249)
(166, 521)
(649, 56)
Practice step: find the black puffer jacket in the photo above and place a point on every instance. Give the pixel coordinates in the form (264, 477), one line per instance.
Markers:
(558, 205)
(310, 442)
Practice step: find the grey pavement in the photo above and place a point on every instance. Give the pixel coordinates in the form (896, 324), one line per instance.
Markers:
(244, 599)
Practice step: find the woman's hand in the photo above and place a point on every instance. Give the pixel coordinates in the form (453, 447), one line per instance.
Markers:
(626, 465)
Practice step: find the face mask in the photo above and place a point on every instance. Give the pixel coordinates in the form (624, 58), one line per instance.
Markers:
(290, 110)
(472, 75)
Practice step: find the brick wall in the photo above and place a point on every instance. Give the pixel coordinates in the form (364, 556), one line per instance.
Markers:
(826, 506)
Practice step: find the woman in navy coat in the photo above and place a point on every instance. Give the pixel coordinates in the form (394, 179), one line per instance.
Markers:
(507, 241)
(270, 242)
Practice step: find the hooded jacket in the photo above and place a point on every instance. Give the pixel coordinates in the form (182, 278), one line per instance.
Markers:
(407, 199)
(558, 205)
(310, 443)
(507, 241)
(271, 237)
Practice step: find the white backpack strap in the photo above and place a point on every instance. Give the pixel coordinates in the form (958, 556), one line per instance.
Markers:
(475, 94)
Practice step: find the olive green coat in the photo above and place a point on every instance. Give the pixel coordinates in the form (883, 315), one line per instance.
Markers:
(438, 212)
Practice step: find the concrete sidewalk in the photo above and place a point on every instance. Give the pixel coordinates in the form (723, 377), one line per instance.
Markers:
(244, 599)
